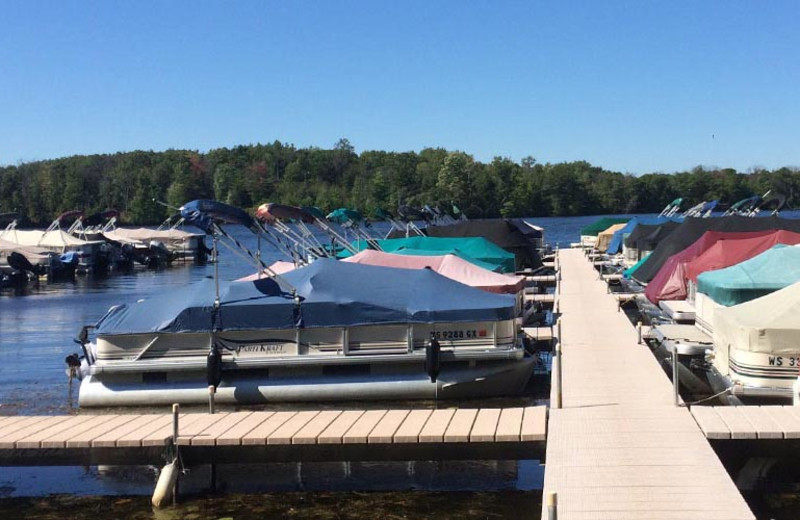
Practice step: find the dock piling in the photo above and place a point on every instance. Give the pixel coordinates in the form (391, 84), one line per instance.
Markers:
(675, 382)
(558, 374)
(212, 390)
(552, 506)
(639, 331)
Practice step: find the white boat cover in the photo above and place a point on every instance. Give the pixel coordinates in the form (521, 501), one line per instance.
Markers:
(54, 239)
(33, 254)
(767, 325)
(450, 266)
(170, 237)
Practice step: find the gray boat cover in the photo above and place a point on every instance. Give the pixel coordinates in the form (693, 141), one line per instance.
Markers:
(332, 294)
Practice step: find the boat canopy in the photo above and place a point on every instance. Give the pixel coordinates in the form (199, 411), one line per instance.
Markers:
(604, 237)
(615, 245)
(692, 228)
(55, 238)
(602, 224)
(477, 250)
(331, 294)
(670, 281)
(645, 237)
(768, 272)
(204, 213)
(32, 253)
(767, 325)
(501, 232)
(450, 266)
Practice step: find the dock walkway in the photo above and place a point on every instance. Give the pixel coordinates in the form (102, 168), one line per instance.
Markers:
(619, 448)
(282, 436)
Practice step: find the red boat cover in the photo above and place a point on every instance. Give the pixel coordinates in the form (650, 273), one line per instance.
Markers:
(450, 266)
(670, 283)
(726, 253)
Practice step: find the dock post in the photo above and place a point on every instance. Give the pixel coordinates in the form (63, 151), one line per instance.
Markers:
(212, 390)
(675, 382)
(558, 396)
(552, 506)
(639, 331)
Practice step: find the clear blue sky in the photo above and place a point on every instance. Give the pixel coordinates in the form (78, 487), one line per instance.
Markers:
(635, 86)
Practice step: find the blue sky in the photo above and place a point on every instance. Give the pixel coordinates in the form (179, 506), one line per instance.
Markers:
(636, 86)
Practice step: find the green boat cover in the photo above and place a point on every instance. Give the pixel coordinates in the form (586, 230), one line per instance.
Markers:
(604, 223)
(627, 273)
(477, 250)
(768, 272)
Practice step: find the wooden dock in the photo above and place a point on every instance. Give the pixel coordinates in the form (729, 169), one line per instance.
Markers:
(619, 448)
(282, 436)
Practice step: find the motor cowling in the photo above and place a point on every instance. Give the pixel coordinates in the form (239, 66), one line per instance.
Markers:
(433, 358)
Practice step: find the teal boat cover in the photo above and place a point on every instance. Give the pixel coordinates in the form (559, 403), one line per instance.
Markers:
(477, 250)
(768, 272)
(628, 273)
(602, 224)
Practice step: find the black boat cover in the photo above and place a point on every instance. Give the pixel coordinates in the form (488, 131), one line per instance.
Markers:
(645, 237)
(692, 228)
(332, 294)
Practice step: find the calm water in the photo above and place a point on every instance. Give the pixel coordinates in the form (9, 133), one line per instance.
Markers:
(36, 333)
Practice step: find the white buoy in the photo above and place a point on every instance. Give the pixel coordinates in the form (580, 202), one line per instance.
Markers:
(162, 495)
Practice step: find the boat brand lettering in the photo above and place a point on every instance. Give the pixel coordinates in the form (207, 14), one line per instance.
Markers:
(261, 348)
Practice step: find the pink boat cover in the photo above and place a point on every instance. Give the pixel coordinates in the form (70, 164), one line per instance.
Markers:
(713, 250)
(450, 266)
(278, 267)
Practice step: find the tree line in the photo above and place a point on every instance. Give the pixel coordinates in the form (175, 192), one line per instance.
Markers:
(249, 175)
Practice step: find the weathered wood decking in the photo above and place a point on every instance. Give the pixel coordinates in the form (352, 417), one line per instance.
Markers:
(488, 433)
(619, 448)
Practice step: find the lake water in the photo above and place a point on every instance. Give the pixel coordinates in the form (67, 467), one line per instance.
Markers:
(36, 333)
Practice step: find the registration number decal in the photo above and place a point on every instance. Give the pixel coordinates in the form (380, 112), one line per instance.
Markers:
(782, 361)
(460, 334)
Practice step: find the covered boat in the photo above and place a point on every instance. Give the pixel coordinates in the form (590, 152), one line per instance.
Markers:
(92, 254)
(693, 228)
(178, 242)
(345, 331)
(645, 238)
(763, 274)
(589, 233)
(604, 237)
(477, 250)
(501, 232)
(450, 266)
(757, 343)
(713, 250)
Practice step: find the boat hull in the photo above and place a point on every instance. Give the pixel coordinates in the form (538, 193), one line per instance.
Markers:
(397, 381)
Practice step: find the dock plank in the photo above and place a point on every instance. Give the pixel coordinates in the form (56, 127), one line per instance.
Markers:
(357, 434)
(786, 420)
(59, 439)
(766, 427)
(111, 439)
(32, 436)
(287, 430)
(84, 439)
(163, 435)
(460, 425)
(260, 434)
(233, 436)
(740, 427)
(509, 425)
(211, 434)
(309, 433)
(437, 424)
(334, 433)
(412, 426)
(534, 424)
(711, 423)
(384, 430)
(485, 425)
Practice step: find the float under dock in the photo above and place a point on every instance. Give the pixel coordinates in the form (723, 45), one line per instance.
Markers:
(282, 436)
(619, 448)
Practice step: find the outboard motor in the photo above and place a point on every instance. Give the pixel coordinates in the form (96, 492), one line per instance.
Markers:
(433, 358)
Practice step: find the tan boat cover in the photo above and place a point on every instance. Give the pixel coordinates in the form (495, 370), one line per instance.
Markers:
(34, 255)
(604, 237)
(174, 238)
(52, 239)
(768, 325)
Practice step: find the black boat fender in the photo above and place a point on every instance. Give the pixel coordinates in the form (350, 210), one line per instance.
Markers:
(433, 358)
(214, 367)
